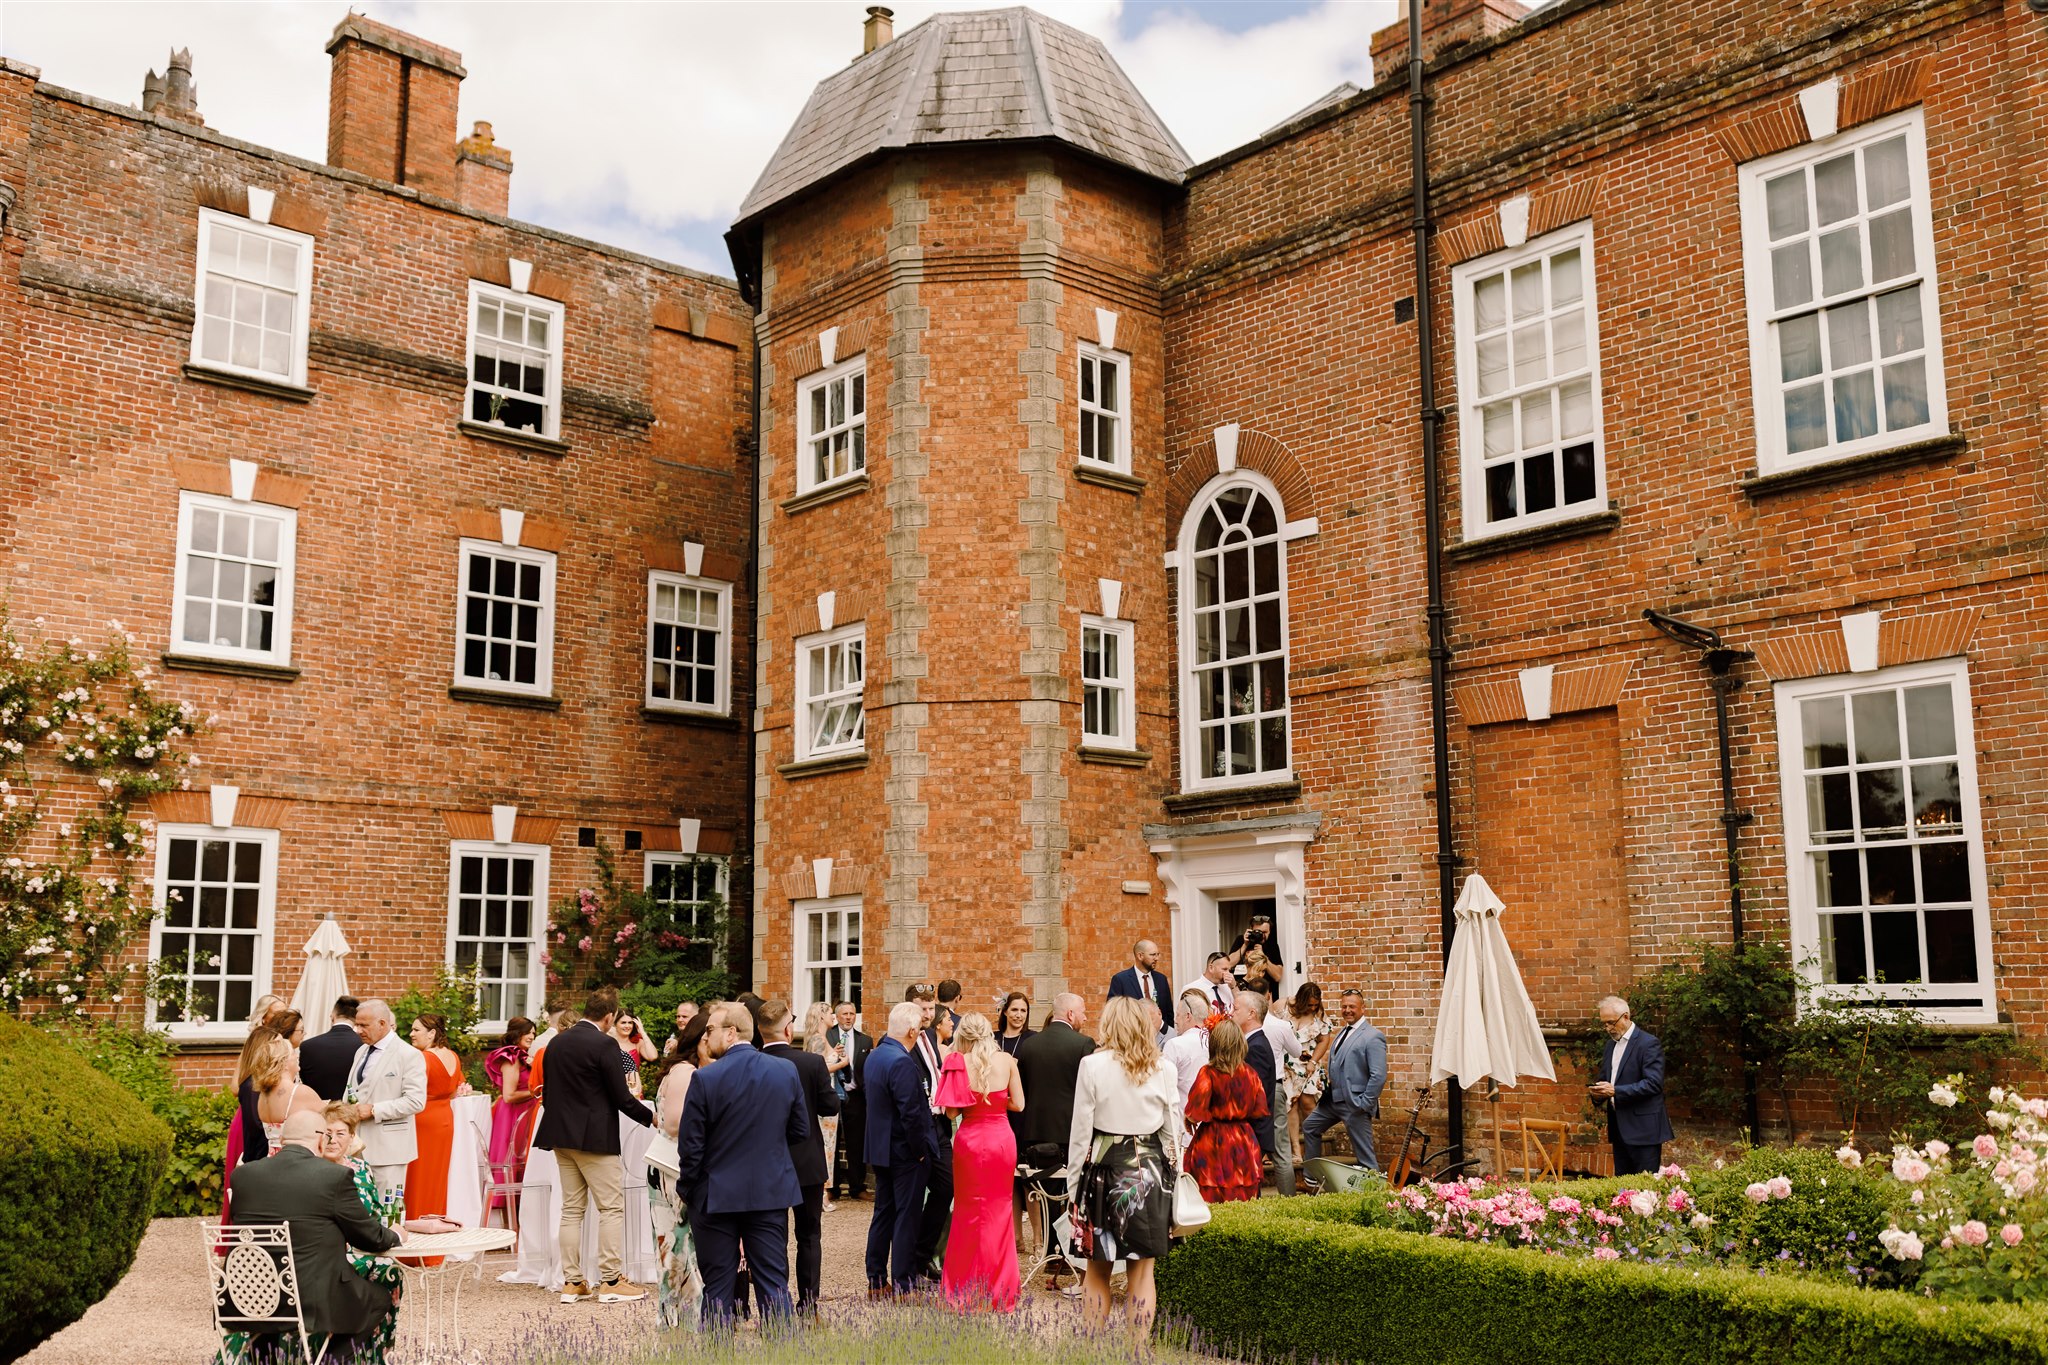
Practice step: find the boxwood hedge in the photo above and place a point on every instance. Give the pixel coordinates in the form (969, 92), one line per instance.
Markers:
(80, 1160)
(1303, 1279)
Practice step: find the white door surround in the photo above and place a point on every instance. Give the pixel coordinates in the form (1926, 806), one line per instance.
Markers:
(1201, 865)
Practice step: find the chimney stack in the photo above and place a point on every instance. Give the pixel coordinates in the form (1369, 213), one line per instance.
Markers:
(1445, 24)
(483, 172)
(879, 28)
(173, 94)
(391, 106)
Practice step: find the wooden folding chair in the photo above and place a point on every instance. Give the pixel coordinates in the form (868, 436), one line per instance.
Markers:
(1548, 1138)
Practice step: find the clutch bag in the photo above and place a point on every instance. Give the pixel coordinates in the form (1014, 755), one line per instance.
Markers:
(1190, 1210)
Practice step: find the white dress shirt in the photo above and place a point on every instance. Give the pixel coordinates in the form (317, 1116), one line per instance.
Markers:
(1220, 994)
(1620, 1047)
(1286, 1043)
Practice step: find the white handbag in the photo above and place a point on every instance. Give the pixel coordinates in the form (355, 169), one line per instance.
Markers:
(1190, 1210)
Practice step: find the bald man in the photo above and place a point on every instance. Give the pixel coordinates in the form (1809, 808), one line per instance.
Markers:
(317, 1199)
(1143, 980)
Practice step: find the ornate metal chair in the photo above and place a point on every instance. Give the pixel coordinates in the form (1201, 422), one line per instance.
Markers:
(254, 1280)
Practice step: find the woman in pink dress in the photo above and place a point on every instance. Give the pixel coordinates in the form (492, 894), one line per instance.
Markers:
(980, 1082)
(511, 1071)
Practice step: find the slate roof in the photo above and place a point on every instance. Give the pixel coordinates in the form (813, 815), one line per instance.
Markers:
(980, 76)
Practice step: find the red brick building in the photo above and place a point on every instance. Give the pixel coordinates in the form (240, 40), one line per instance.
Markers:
(440, 513)
(1734, 319)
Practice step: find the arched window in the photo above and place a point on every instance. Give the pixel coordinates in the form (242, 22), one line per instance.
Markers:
(1233, 608)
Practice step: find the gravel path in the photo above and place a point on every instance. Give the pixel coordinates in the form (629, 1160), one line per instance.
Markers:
(158, 1314)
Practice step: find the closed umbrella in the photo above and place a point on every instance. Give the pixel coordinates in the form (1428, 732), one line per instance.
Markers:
(1486, 1029)
(325, 979)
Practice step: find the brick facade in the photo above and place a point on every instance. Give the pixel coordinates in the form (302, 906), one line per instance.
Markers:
(361, 754)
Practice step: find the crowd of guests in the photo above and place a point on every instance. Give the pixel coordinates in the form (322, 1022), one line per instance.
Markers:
(764, 1121)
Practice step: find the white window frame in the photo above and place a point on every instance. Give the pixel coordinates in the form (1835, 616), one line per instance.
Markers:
(544, 669)
(1191, 778)
(801, 963)
(806, 478)
(280, 651)
(1806, 943)
(1766, 385)
(721, 670)
(1119, 458)
(551, 401)
(1123, 688)
(295, 373)
(723, 870)
(805, 647)
(217, 1030)
(536, 958)
(1472, 404)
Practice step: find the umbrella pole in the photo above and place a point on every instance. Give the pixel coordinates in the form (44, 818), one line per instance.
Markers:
(1500, 1164)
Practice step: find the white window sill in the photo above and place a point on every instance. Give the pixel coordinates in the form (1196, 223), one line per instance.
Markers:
(513, 436)
(281, 670)
(251, 381)
(468, 690)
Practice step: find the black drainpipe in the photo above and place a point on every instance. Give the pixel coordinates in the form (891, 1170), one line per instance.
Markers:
(1432, 502)
(753, 644)
(1720, 659)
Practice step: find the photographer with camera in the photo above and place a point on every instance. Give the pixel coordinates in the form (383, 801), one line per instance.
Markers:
(1256, 960)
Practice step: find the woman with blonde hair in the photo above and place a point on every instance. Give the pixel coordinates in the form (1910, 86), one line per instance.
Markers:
(1124, 1141)
(817, 1020)
(980, 1080)
(1224, 1152)
(245, 1133)
(279, 1095)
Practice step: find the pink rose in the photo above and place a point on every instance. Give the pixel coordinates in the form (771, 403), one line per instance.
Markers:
(583, 945)
(2037, 1109)
(1986, 1147)
(1758, 1192)
(2011, 1233)
(1606, 1254)
(1937, 1149)
(1910, 1169)
(2002, 1169)
(1677, 1201)
(1779, 1186)
(2024, 1182)
(1973, 1233)
(1671, 1171)
(1849, 1157)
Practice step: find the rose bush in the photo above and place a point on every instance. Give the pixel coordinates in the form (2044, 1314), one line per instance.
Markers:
(1975, 1222)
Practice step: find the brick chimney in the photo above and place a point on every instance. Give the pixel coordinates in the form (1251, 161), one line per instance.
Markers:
(173, 94)
(878, 29)
(391, 106)
(483, 172)
(1445, 24)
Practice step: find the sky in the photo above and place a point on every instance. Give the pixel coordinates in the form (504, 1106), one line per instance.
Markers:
(644, 125)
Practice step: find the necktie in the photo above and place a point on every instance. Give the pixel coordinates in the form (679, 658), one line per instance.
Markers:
(847, 1041)
(1338, 1046)
(369, 1055)
(1216, 988)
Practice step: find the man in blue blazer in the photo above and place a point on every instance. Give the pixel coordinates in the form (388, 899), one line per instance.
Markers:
(1143, 980)
(901, 1146)
(1630, 1084)
(743, 1114)
(1358, 1072)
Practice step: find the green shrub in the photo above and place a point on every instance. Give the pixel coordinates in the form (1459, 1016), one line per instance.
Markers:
(80, 1162)
(1830, 1221)
(1350, 1293)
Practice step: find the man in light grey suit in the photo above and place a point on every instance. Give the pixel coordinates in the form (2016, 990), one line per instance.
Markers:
(1358, 1072)
(388, 1081)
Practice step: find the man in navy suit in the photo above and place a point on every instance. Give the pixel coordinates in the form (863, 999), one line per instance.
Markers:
(1631, 1085)
(743, 1114)
(901, 1146)
(1143, 980)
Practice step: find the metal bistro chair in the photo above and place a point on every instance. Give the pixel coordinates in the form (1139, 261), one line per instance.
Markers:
(254, 1280)
(1049, 1208)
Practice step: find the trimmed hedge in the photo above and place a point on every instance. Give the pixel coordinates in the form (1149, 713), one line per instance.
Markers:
(1351, 1293)
(80, 1161)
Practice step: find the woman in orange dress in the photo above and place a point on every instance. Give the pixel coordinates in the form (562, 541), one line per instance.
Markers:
(426, 1180)
(1227, 1095)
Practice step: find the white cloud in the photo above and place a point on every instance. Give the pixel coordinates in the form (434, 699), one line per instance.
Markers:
(646, 124)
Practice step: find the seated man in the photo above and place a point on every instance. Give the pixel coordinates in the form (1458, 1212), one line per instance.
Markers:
(317, 1200)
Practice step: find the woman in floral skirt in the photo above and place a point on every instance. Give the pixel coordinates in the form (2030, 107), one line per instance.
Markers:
(1223, 1157)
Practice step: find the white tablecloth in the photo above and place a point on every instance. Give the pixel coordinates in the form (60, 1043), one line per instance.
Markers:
(466, 1158)
(540, 1214)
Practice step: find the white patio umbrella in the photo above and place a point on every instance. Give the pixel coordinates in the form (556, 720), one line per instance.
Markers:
(325, 979)
(1485, 1027)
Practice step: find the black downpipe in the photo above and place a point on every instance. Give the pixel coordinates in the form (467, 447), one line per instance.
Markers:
(753, 646)
(1720, 659)
(1432, 502)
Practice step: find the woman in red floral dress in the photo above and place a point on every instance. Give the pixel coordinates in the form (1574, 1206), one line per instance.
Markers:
(1227, 1095)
